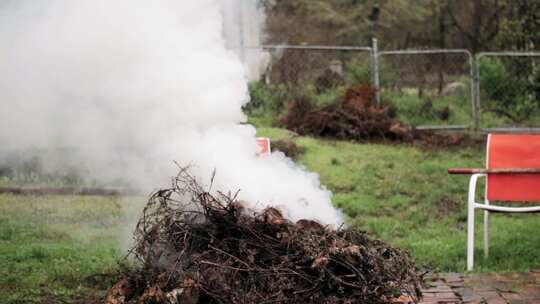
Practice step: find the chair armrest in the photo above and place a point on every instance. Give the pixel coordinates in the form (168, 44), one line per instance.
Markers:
(494, 171)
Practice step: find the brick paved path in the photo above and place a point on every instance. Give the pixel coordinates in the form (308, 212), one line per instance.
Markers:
(513, 288)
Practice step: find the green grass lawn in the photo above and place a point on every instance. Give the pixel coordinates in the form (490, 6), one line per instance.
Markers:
(56, 249)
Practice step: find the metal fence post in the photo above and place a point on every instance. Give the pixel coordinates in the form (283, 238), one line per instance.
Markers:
(375, 68)
(476, 89)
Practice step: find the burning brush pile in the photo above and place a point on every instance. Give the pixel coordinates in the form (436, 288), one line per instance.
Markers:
(195, 247)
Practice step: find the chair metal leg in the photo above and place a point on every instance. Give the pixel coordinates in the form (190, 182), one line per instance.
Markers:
(486, 234)
(470, 237)
(470, 219)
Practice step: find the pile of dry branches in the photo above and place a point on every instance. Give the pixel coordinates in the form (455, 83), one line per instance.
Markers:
(195, 247)
(355, 117)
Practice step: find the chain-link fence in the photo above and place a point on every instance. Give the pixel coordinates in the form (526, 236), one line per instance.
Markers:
(430, 89)
(508, 91)
(323, 68)
(318, 73)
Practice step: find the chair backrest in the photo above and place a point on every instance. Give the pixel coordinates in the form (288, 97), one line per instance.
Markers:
(264, 144)
(513, 151)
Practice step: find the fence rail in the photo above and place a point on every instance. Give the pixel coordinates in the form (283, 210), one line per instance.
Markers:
(432, 89)
(311, 47)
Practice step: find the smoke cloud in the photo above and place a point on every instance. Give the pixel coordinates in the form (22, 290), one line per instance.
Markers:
(133, 85)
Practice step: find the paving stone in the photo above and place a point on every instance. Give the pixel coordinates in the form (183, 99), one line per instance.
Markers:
(452, 276)
(488, 294)
(447, 295)
(464, 292)
(475, 302)
(472, 299)
(497, 300)
(530, 291)
(504, 288)
(437, 289)
(511, 296)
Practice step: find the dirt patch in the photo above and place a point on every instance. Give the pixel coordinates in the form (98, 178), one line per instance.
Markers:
(448, 206)
(429, 140)
(195, 247)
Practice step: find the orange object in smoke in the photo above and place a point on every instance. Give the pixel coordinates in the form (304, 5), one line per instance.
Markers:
(513, 151)
(264, 144)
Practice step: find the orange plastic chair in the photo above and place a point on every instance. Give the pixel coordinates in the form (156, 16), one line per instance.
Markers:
(512, 175)
(264, 144)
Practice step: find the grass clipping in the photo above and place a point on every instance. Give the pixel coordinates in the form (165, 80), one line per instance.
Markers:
(195, 247)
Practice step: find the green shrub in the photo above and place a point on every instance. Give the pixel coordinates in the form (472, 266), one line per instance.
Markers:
(359, 71)
(433, 110)
(510, 88)
(267, 97)
(319, 97)
(267, 102)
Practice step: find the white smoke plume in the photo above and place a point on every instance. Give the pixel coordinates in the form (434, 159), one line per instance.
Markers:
(244, 22)
(133, 85)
